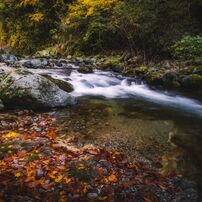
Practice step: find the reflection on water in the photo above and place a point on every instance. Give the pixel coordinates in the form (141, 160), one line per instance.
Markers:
(160, 137)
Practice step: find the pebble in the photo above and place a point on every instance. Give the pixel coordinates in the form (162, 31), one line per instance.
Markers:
(92, 195)
(15, 161)
(39, 174)
(75, 196)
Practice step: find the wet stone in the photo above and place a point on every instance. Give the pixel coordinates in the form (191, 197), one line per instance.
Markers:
(39, 174)
(92, 195)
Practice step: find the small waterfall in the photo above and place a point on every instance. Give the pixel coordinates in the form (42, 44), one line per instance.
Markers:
(110, 85)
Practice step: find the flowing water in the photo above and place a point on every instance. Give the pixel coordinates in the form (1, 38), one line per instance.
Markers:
(160, 129)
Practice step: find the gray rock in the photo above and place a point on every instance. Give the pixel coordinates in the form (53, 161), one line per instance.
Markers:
(85, 70)
(170, 75)
(92, 195)
(193, 80)
(25, 89)
(35, 63)
(39, 174)
(79, 59)
(2, 71)
(69, 57)
(198, 70)
(170, 78)
(1, 105)
(8, 58)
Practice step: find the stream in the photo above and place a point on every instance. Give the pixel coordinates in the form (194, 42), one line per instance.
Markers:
(161, 129)
(158, 128)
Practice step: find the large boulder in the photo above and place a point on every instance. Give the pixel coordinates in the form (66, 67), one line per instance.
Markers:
(22, 88)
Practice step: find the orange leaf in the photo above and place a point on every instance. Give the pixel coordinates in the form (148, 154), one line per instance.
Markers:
(112, 178)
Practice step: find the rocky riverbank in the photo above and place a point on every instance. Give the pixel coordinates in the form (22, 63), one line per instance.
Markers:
(167, 74)
(37, 163)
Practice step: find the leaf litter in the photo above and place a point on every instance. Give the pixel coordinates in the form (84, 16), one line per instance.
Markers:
(37, 163)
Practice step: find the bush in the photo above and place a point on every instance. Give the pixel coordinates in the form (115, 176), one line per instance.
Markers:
(189, 47)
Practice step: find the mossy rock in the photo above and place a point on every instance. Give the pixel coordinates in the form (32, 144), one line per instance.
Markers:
(141, 70)
(46, 53)
(85, 70)
(154, 78)
(112, 63)
(197, 70)
(24, 89)
(193, 80)
(186, 71)
(64, 85)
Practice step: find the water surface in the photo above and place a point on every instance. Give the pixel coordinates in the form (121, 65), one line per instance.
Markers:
(161, 129)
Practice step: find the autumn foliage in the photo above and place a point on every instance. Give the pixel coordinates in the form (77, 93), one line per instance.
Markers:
(39, 163)
(90, 26)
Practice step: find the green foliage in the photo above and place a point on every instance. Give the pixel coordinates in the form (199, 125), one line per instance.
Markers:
(30, 25)
(143, 26)
(189, 47)
(146, 27)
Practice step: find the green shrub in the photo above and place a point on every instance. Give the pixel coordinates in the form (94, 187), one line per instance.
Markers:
(189, 47)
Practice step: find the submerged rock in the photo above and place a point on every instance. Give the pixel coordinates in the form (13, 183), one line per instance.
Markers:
(22, 88)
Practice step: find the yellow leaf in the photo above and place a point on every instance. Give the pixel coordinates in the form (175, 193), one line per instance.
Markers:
(67, 180)
(81, 166)
(58, 178)
(11, 135)
(17, 174)
(29, 2)
(111, 178)
(36, 17)
(2, 163)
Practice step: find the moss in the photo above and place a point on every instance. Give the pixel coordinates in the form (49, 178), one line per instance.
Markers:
(154, 78)
(195, 80)
(141, 70)
(197, 70)
(61, 84)
(23, 72)
(1, 77)
(110, 62)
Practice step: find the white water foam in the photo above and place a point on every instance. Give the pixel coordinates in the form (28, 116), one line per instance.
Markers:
(108, 85)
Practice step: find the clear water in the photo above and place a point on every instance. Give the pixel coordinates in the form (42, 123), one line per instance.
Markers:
(161, 129)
